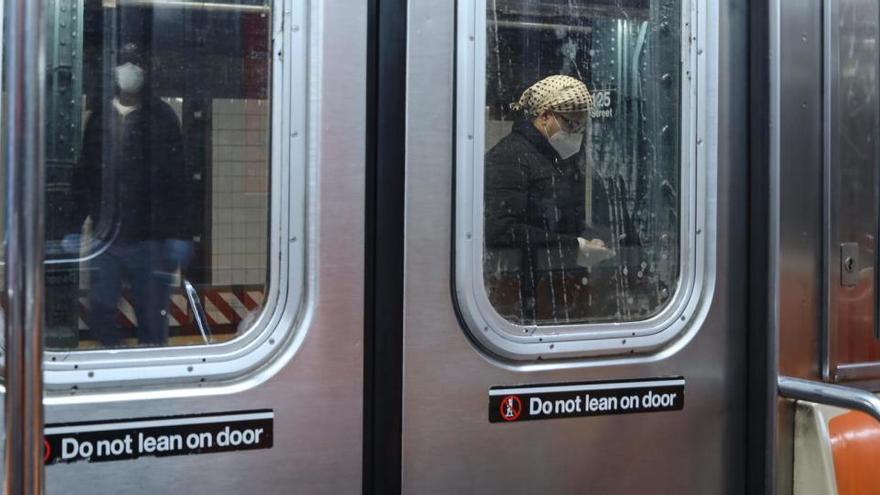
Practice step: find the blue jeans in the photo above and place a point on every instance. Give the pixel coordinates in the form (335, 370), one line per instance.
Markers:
(147, 268)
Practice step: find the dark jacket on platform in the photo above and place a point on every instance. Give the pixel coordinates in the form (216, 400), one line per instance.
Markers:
(534, 213)
(132, 175)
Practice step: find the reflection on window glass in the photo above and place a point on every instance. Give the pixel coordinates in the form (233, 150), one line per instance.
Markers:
(582, 159)
(157, 171)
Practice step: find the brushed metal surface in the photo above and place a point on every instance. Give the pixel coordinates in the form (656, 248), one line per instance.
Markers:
(448, 444)
(851, 155)
(796, 157)
(800, 189)
(317, 393)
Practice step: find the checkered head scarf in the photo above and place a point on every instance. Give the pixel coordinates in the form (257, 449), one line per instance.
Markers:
(558, 93)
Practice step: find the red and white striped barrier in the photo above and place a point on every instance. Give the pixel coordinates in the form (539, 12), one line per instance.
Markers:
(224, 306)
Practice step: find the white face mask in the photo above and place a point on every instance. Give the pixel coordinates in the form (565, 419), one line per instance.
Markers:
(565, 143)
(130, 78)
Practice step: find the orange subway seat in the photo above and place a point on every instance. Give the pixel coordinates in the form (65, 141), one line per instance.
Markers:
(855, 446)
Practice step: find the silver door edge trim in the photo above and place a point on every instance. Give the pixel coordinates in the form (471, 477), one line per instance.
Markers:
(830, 44)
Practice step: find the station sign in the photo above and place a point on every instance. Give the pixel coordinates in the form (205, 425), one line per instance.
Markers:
(103, 441)
(573, 400)
(603, 104)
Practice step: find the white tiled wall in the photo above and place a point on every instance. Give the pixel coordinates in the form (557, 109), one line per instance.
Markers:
(240, 187)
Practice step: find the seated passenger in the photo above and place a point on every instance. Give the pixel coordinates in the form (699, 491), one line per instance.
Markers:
(546, 262)
(133, 183)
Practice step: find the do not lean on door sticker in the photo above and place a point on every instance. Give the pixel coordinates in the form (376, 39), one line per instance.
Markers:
(116, 440)
(573, 400)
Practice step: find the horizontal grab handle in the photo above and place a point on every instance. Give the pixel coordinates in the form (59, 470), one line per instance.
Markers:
(828, 394)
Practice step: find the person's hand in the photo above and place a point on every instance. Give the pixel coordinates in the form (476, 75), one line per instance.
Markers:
(591, 252)
(180, 252)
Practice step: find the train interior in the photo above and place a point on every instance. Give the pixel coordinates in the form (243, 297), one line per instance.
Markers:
(212, 64)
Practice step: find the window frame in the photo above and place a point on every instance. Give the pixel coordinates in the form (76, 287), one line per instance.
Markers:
(283, 320)
(678, 320)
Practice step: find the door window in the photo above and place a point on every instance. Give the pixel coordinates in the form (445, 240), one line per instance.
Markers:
(574, 176)
(582, 159)
(158, 172)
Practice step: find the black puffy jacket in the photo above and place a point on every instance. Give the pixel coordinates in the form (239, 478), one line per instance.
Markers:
(132, 176)
(534, 213)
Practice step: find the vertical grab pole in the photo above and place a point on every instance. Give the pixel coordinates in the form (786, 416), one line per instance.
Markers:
(23, 157)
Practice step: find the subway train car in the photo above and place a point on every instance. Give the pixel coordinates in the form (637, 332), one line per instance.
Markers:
(441, 247)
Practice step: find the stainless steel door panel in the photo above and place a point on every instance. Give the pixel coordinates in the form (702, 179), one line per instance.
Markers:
(317, 437)
(317, 393)
(796, 114)
(851, 154)
(448, 444)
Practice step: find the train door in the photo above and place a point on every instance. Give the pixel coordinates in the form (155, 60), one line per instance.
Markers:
(575, 242)
(826, 119)
(203, 276)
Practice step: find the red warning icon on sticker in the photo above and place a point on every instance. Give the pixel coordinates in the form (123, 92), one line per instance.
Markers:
(47, 450)
(511, 408)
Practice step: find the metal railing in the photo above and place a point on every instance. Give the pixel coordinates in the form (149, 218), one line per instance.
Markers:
(23, 158)
(191, 5)
(828, 394)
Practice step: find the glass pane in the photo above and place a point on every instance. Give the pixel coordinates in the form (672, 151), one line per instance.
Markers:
(157, 171)
(582, 172)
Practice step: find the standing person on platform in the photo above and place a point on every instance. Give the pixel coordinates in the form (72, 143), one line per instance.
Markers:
(133, 181)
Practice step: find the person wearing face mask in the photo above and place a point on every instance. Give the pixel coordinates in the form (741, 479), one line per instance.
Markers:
(133, 182)
(536, 224)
